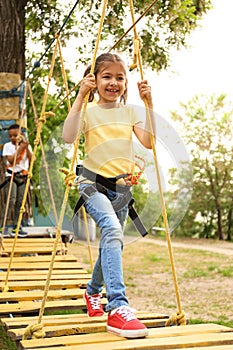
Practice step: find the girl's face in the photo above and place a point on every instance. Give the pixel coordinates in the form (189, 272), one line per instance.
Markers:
(111, 82)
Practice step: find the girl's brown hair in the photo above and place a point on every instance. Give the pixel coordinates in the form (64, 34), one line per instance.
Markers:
(105, 57)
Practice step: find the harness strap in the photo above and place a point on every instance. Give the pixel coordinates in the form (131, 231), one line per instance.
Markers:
(109, 183)
(102, 186)
(136, 219)
(18, 175)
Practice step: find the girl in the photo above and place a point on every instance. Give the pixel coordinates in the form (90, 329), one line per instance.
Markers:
(108, 127)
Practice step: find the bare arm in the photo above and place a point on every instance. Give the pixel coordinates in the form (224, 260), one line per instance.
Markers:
(72, 122)
(143, 132)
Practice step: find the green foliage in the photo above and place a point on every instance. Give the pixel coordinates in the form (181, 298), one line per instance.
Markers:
(5, 342)
(206, 127)
(166, 25)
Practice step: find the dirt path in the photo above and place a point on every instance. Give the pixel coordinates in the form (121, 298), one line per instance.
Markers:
(220, 247)
(204, 273)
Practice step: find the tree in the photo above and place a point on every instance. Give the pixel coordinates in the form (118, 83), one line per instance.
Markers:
(206, 127)
(28, 29)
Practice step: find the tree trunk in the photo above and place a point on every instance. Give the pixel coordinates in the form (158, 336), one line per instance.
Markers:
(230, 222)
(12, 59)
(12, 36)
(220, 231)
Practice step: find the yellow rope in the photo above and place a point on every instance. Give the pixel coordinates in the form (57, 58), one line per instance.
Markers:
(43, 154)
(64, 76)
(134, 24)
(62, 213)
(180, 316)
(34, 331)
(22, 209)
(12, 176)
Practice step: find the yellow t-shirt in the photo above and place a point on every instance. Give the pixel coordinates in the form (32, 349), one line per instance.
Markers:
(108, 139)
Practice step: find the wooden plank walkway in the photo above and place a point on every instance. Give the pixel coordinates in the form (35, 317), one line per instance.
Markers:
(30, 246)
(19, 307)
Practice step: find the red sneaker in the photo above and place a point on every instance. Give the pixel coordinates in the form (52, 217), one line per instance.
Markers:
(94, 307)
(123, 322)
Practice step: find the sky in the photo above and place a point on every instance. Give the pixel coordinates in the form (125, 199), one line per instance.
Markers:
(205, 67)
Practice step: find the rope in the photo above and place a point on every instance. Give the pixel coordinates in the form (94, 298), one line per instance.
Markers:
(134, 24)
(12, 177)
(42, 120)
(179, 317)
(34, 332)
(113, 47)
(43, 154)
(37, 63)
(58, 233)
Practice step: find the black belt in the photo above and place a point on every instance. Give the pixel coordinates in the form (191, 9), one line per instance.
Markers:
(101, 184)
(17, 173)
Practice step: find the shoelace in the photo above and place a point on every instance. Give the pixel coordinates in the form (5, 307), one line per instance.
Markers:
(126, 313)
(95, 302)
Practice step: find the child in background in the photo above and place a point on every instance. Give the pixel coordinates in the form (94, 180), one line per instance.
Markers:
(23, 157)
(108, 127)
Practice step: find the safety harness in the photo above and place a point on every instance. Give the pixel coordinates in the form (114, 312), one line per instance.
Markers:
(102, 184)
(19, 178)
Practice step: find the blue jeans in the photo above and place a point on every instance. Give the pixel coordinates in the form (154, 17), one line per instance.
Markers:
(108, 267)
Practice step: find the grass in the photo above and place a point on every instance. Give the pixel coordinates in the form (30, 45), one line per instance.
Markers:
(5, 342)
(204, 281)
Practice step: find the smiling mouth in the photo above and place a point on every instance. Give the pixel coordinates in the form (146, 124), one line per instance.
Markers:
(112, 90)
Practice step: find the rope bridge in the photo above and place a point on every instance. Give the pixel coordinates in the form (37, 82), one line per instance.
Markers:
(36, 330)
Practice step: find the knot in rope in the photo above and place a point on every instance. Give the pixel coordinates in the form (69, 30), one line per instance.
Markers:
(178, 319)
(49, 114)
(137, 48)
(22, 210)
(35, 331)
(42, 118)
(29, 175)
(5, 289)
(70, 176)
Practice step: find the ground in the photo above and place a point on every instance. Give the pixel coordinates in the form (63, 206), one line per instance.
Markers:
(203, 272)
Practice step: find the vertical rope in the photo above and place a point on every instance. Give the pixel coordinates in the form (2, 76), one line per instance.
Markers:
(164, 213)
(43, 155)
(12, 176)
(42, 120)
(64, 76)
(69, 183)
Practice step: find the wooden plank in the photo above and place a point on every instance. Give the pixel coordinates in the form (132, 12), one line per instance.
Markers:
(108, 337)
(19, 322)
(191, 341)
(34, 307)
(30, 250)
(29, 240)
(36, 295)
(79, 328)
(54, 284)
(35, 258)
(41, 265)
(49, 320)
(221, 347)
(31, 244)
(43, 276)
